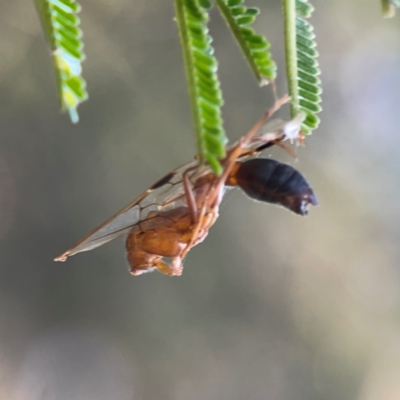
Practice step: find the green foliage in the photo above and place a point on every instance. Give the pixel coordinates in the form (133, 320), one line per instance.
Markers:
(61, 26)
(301, 63)
(389, 7)
(254, 47)
(201, 73)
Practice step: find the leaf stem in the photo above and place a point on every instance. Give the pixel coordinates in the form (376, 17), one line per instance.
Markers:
(289, 13)
(239, 38)
(189, 68)
(61, 27)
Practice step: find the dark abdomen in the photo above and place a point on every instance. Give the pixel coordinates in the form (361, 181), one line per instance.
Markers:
(272, 182)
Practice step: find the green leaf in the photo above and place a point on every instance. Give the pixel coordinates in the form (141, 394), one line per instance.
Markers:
(254, 47)
(302, 67)
(61, 26)
(201, 73)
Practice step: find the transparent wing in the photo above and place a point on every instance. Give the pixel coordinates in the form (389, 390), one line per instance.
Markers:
(166, 193)
(272, 125)
(276, 129)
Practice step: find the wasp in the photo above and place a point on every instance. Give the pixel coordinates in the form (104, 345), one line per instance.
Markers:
(176, 213)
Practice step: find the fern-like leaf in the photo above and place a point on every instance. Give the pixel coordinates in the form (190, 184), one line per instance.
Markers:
(201, 73)
(61, 27)
(389, 7)
(301, 63)
(254, 47)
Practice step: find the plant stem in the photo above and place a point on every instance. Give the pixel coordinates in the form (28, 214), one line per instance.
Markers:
(188, 61)
(289, 13)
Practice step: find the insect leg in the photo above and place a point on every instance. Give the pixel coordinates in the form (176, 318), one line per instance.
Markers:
(233, 155)
(288, 149)
(190, 198)
(211, 200)
(173, 269)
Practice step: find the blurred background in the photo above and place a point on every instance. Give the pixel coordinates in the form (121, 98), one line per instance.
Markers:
(271, 305)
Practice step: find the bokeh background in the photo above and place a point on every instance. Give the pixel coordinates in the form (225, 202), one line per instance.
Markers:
(271, 306)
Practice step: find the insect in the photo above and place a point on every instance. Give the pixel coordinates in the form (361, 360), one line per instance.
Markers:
(176, 212)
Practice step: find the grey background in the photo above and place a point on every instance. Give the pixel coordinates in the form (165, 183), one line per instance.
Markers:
(271, 305)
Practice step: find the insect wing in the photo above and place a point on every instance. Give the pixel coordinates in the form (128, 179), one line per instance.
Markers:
(165, 194)
(290, 129)
(276, 130)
